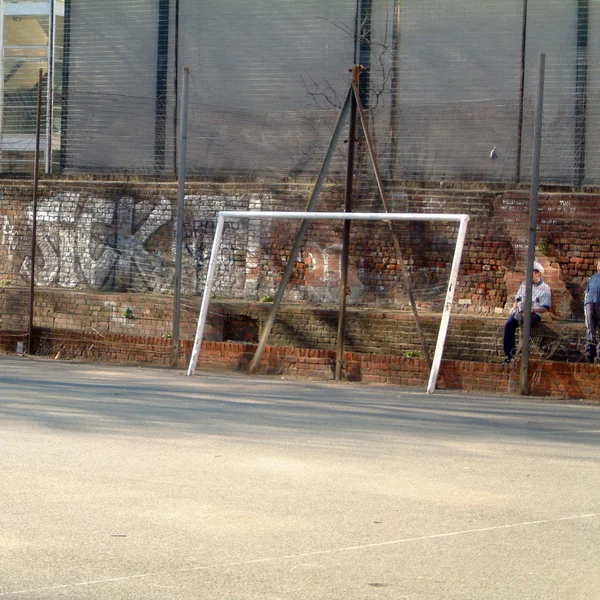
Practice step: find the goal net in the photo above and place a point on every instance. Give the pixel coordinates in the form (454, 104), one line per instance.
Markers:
(234, 218)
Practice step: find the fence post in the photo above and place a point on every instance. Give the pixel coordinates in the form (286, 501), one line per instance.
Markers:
(339, 363)
(36, 162)
(180, 207)
(521, 93)
(581, 76)
(535, 180)
(50, 88)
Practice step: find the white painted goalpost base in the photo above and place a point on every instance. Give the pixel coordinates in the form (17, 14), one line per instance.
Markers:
(253, 214)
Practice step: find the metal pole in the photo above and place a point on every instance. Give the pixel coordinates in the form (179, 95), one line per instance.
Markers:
(175, 85)
(581, 75)
(180, 209)
(364, 48)
(444, 323)
(521, 93)
(162, 76)
(38, 127)
(50, 88)
(266, 331)
(535, 179)
(2, 4)
(206, 296)
(405, 277)
(64, 154)
(395, 87)
(346, 232)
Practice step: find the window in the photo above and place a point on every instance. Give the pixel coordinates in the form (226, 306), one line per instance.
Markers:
(27, 32)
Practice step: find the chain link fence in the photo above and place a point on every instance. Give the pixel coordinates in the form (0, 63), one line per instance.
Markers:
(447, 85)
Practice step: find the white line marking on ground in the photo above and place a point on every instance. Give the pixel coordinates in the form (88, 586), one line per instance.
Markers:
(582, 431)
(303, 554)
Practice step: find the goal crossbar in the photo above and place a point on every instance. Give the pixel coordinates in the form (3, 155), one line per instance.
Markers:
(224, 215)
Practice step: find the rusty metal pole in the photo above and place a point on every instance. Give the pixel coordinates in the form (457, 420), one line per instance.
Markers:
(36, 159)
(339, 363)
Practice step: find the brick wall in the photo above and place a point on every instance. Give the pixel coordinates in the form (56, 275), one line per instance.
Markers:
(368, 331)
(119, 237)
(150, 315)
(139, 315)
(559, 380)
(105, 267)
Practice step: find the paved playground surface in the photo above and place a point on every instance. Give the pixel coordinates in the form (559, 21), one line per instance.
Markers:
(135, 483)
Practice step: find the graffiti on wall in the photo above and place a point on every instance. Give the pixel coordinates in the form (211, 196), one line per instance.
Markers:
(123, 244)
(94, 242)
(120, 244)
(9, 239)
(237, 263)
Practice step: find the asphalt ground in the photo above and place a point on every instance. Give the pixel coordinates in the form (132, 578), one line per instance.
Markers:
(137, 483)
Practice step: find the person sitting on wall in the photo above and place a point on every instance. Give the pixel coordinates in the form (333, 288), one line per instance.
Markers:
(592, 316)
(540, 303)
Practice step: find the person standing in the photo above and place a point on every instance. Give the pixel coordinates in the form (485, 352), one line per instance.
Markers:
(591, 308)
(540, 303)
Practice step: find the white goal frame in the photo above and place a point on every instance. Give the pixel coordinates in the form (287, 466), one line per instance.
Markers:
(257, 214)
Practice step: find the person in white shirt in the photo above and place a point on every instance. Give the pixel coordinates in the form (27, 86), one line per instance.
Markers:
(540, 303)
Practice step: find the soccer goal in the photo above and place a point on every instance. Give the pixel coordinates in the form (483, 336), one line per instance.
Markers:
(231, 215)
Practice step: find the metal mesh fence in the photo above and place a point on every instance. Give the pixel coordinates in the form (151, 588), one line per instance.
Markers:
(24, 40)
(448, 90)
(443, 85)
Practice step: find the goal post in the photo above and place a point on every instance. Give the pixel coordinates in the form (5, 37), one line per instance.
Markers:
(445, 320)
